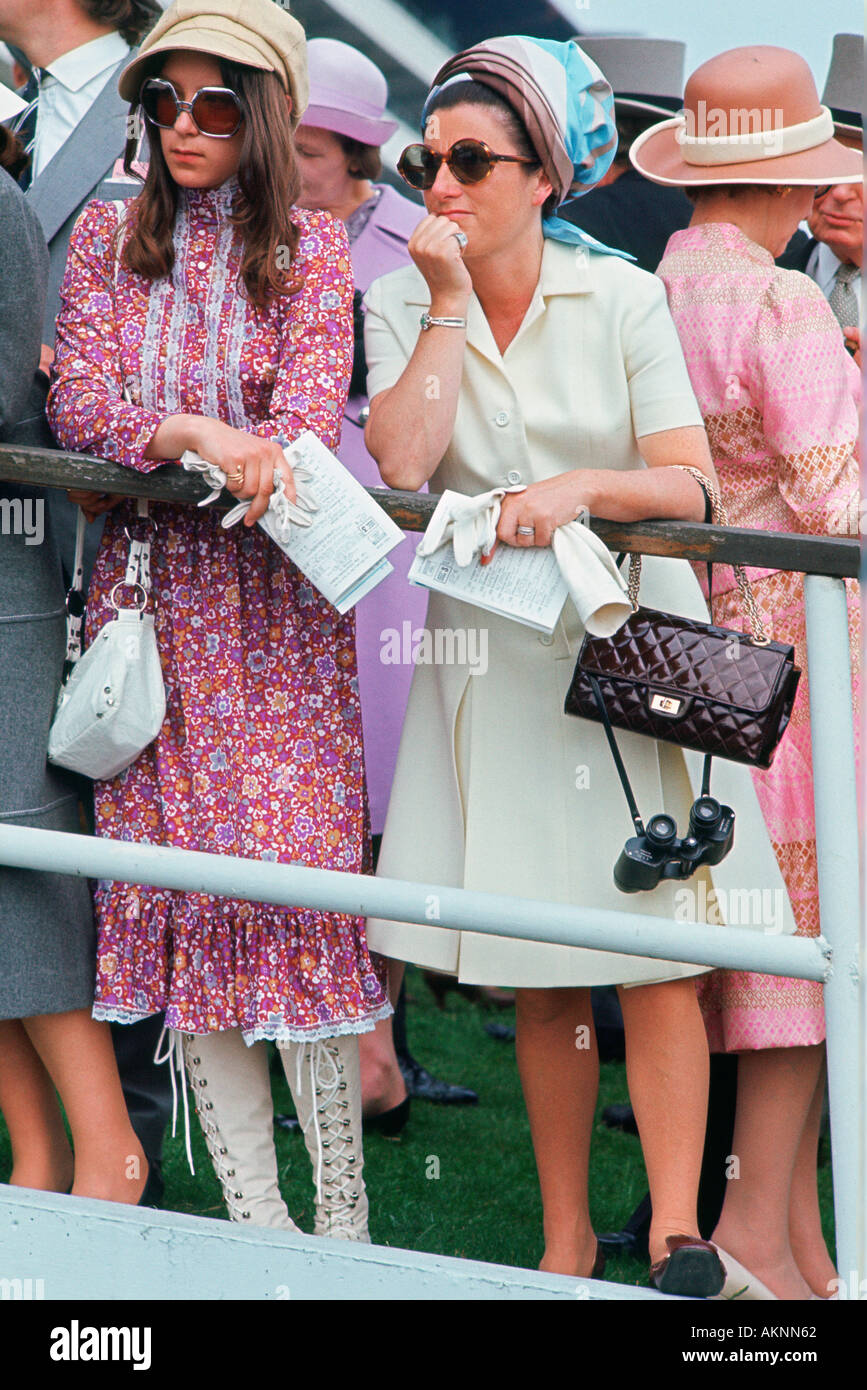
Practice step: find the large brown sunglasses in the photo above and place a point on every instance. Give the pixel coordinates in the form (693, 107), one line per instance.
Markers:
(215, 111)
(470, 161)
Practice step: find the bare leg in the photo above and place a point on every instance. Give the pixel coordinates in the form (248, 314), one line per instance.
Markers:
(559, 1068)
(776, 1089)
(805, 1222)
(41, 1156)
(79, 1057)
(382, 1085)
(667, 1069)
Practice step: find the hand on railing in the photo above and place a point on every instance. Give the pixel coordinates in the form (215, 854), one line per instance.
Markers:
(94, 504)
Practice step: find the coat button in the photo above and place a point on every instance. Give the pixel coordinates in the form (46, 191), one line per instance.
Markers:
(513, 477)
(501, 418)
(546, 639)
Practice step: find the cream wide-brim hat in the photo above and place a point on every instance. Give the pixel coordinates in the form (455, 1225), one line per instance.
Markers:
(751, 116)
(258, 33)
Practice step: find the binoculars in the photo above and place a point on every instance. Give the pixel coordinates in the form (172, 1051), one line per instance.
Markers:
(658, 853)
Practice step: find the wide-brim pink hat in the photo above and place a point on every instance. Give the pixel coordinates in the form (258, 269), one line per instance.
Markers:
(750, 115)
(348, 93)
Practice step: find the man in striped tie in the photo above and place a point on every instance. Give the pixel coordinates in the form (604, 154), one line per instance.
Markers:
(837, 217)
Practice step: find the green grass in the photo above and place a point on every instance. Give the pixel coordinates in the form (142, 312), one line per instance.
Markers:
(484, 1205)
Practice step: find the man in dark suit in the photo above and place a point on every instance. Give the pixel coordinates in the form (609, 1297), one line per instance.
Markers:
(75, 129)
(626, 210)
(832, 256)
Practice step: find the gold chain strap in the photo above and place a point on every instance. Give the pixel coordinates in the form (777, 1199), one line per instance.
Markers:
(720, 519)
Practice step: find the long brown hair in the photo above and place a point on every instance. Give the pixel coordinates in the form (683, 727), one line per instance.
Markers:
(269, 182)
(12, 156)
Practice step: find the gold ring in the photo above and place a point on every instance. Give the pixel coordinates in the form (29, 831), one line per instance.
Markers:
(237, 477)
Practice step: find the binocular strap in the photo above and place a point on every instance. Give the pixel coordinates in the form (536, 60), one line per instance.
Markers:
(619, 764)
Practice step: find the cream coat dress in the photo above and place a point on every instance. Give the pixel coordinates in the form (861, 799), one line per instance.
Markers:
(496, 789)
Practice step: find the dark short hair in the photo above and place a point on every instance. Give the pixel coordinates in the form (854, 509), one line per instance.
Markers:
(731, 190)
(364, 160)
(472, 93)
(132, 18)
(630, 124)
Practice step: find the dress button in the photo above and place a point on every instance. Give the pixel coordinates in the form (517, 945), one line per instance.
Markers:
(501, 418)
(201, 265)
(513, 476)
(546, 639)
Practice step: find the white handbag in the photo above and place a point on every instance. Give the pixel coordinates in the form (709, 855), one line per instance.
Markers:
(112, 702)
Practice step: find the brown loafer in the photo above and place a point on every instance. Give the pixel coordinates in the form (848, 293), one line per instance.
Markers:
(692, 1268)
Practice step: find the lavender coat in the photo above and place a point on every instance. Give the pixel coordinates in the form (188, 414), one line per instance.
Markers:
(379, 248)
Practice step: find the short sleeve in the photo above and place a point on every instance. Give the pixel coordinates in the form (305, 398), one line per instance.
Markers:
(660, 394)
(386, 358)
(808, 390)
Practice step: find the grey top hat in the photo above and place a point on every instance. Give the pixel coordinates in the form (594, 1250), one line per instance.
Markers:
(645, 74)
(844, 86)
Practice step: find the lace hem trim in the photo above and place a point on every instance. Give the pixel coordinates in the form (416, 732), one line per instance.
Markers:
(278, 1033)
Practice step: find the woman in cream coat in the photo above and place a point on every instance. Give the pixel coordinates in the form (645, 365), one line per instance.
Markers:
(567, 377)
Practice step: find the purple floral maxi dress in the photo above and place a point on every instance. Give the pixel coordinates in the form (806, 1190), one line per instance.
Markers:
(260, 754)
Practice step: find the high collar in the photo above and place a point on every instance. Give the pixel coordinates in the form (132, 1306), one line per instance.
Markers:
(720, 236)
(211, 204)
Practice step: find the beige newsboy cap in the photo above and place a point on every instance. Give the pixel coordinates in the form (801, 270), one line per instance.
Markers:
(259, 33)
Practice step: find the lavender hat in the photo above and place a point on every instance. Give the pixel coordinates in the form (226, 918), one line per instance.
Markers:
(348, 93)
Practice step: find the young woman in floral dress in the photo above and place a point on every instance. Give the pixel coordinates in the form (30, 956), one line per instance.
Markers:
(191, 333)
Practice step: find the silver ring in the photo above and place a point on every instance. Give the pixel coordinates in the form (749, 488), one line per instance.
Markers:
(460, 238)
(526, 530)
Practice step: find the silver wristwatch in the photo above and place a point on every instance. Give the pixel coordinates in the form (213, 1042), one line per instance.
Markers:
(427, 322)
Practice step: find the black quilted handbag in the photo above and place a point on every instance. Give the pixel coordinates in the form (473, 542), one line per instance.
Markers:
(722, 693)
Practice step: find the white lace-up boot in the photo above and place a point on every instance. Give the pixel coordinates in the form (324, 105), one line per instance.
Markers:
(325, 1080)
(232, 1091)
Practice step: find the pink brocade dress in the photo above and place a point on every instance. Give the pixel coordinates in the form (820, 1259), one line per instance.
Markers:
(260, 755)
(779, 396)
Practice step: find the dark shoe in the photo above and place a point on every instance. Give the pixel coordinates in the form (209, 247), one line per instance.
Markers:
(692, 1268)
(154, 1188)
(624, 1243)
(503, 1032)
(388, 1122)
(599, 1263)
(620, 1117)
(422, 1086)
(632, 1240)
(288, 1122)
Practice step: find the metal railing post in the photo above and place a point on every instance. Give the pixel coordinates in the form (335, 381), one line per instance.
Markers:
(837, 847)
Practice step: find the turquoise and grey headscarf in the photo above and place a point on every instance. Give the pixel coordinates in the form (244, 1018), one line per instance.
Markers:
(565, 104)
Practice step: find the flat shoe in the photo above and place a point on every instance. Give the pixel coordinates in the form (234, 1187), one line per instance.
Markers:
(692, 1268)
(740, 1284)
(422, 1086)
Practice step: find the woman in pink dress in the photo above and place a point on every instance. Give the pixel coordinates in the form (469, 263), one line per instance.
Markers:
(220, 322)
(779, 398)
